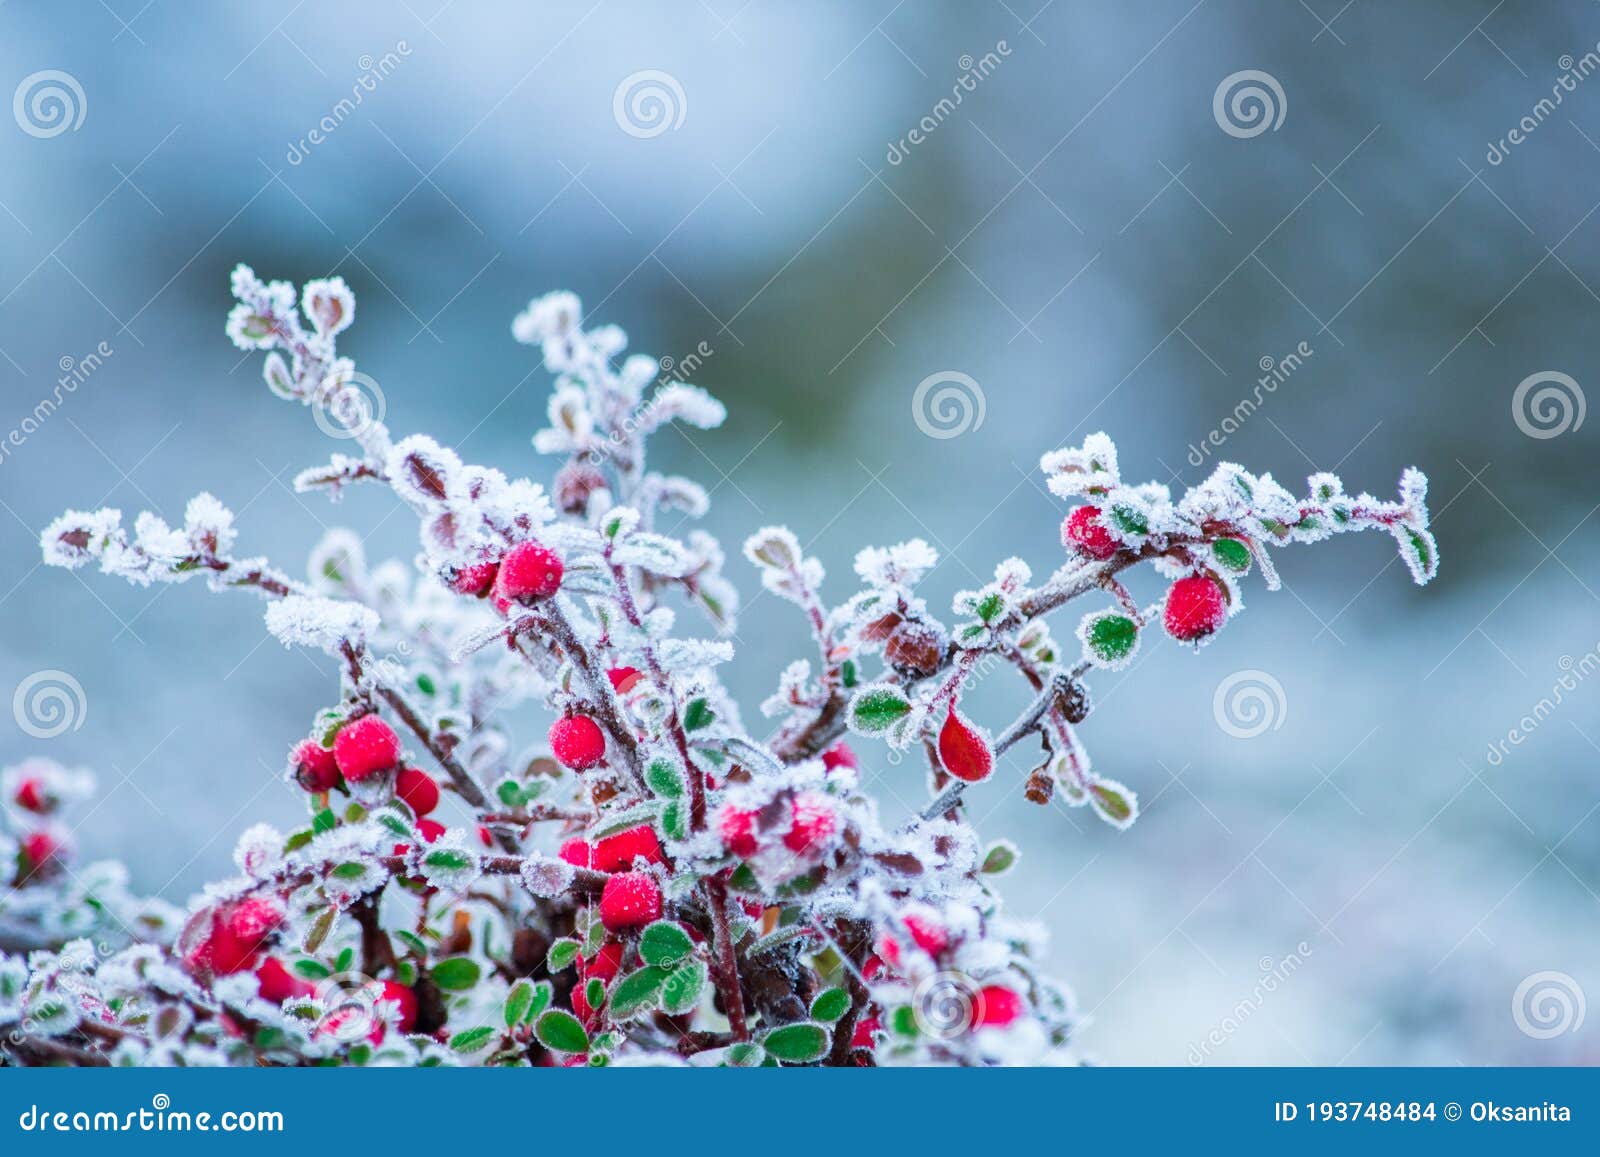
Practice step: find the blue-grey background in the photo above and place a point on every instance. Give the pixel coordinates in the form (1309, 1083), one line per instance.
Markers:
(1079, 236)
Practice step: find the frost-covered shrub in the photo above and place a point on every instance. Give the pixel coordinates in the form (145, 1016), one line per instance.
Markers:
(659, 882)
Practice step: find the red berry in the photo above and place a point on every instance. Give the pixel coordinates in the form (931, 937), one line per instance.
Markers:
(530, 573)
(623, 679)
(839, 755)
(629, 900)
(864, 1033)
(888, 952)
(315, 767)
(32, 796)
(604, 964)
(812, 825)
(963, 750)
(581, 1008)
(737, 828)
(365, 747)
(578, 742)
(418, 789)
(616, 853)
(996, 1006)
(485, 836)
(39, 849)
(278, 984)
(1195, 608)
(405, 999)
(476, 579)
(1082, 529)
(229, 954)
(430, 829)
(577, 852)
(874, 965)
(928, 933)
(252, 920)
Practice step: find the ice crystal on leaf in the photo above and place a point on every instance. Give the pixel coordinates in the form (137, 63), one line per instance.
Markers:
(457, 896)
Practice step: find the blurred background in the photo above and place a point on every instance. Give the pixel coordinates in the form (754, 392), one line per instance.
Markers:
(1095, 234)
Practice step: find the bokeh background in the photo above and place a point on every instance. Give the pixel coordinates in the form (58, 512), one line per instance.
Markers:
(1081, 237)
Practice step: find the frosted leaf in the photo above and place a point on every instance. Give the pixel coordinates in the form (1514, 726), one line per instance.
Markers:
(448, 864)
(420, 470)
(1082, 471)
(773, 548)
(792, 689)
(329, 305)
(79, 536)
(901, 565)
(618, 522)
(571, 428)
(682, 403)
(684, 494)
(209, 525)
(556, 314)
(259, 851)
(1418, 550)
(337, 562)
(690, 654)
(547, 877)
(1110, 639)
(250, 329)
(314, 621)
(652, 552)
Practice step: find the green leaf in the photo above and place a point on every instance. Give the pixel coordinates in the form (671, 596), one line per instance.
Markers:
(681, 993)
(298, 840)
(664, 943)
(1116, 804)
(1232, 554)
(509, 792)
(847, 673)
(989, 606)
(1000, 858)
(562, 953)
(518, 1001)
(1129, 519)
(412, 941)
(663, 779)
(594, 991)
(456, 973)
(405, 972)
(675, 820)
(543, 993)
(1109, 639)
(562, 1032)
(426, 685)
(324, 821)
(799, 1043)
(878, 707)
(447, 858)
(638, 991)
(830, 1004)
(320, 929)
(472, 1039)
(744, 1055)
(697, 714)
(620, 821)
(349, 870)
(312, 969)
(344, 961)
